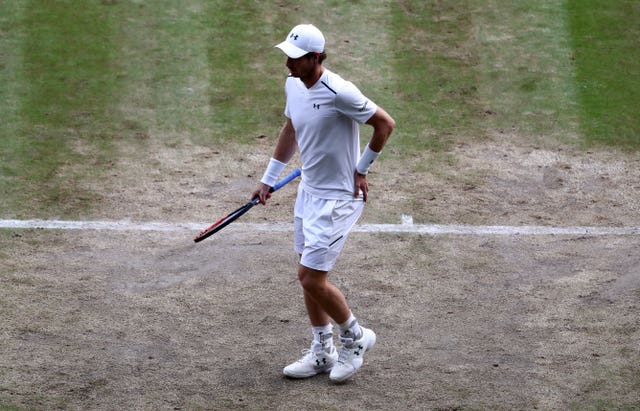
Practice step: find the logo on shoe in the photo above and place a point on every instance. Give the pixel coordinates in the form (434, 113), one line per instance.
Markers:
(357, 352)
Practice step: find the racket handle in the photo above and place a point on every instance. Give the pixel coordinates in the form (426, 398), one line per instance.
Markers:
(294, 174)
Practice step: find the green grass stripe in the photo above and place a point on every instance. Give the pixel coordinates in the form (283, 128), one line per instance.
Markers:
(201, 71)
(165, 72)
(434, 75)
(525, 71)
(246, 73)
(605, 38)
(468, 69)
(61, 97)
(68, 63)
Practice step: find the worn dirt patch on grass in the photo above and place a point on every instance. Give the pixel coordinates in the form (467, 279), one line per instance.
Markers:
(98, 320)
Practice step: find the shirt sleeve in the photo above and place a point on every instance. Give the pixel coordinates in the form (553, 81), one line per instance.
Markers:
(352, 103)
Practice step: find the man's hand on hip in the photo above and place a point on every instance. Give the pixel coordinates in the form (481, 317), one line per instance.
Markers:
(361, 185)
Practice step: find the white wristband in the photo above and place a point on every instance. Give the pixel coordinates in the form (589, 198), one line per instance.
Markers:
(272, 173)
(367, 158)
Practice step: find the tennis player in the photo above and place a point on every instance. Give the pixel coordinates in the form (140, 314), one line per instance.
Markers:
(323, 114)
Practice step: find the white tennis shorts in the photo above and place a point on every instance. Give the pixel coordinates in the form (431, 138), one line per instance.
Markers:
(320, 228)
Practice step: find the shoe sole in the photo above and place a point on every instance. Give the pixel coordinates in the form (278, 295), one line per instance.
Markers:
(300, 376)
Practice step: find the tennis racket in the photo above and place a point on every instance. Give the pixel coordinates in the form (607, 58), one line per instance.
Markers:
(225, 221)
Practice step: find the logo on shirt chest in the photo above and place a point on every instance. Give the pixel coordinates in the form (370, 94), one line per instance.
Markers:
(316, 106)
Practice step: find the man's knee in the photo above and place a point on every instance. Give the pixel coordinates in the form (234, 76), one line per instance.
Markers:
(312, 281)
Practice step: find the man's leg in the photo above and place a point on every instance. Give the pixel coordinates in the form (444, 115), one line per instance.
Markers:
(317, 316)
(324, 301)
(323, 355)
(320, 231)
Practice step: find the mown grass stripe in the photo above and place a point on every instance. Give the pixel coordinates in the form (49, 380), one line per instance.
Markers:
(435, 80)
(605, 39)
(525, 72)
(64, 91)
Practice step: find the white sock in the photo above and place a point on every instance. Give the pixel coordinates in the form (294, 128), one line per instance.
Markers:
(322, 338)
(351, 328)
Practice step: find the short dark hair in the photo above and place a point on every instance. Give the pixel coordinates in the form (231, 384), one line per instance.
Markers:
(321, 56)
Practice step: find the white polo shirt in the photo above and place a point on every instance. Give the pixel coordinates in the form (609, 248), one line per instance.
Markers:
(326, 120)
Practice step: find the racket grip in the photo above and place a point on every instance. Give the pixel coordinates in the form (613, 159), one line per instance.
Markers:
(292, 175)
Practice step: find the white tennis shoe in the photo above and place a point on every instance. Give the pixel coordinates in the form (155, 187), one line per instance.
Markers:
(351, 355)
(312, 363)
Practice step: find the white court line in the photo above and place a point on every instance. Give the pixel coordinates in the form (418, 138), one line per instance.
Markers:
(406, 227)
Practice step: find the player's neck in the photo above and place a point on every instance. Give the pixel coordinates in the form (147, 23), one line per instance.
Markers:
(313, 77)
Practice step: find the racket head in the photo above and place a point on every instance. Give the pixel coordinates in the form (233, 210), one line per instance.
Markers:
(223, 222)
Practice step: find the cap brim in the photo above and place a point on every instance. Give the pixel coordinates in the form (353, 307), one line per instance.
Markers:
(291, 50)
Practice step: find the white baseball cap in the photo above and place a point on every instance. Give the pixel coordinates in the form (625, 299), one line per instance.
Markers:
(302, 39)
